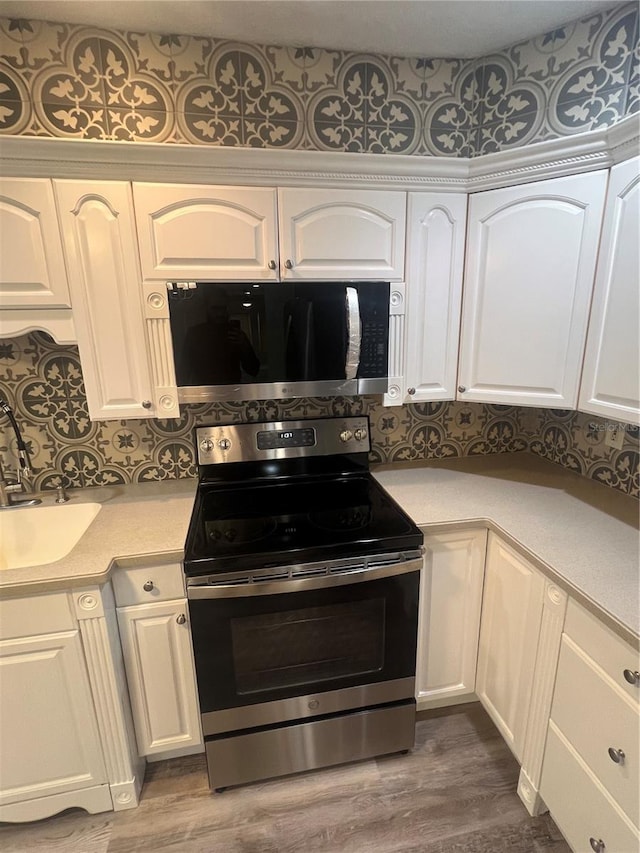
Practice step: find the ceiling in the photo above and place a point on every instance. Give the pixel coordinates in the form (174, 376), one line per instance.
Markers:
(423, 28)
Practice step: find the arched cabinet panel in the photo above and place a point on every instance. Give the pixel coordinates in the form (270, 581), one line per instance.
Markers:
(32, 271)
(611, 377)
(99, 241)
(342, 234)
(531, 256)
(199, 232)
(435, 257)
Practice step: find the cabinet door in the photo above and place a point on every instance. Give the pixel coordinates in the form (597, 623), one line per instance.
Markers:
(449, 620)
(435, 258)
(531, 256)
(32, 271)
(611, 375)
(99, 240)
(342, 234)
(158, 658)
(509, 629)
(199, 232)
(48, 735)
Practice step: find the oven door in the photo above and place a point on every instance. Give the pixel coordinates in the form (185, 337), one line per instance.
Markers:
(276, 651)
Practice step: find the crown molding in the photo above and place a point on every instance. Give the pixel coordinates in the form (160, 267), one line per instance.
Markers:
(26, 156)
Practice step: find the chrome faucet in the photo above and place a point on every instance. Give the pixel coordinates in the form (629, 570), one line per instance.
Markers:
(8, 489)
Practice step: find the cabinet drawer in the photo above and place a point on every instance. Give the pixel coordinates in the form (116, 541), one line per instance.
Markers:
(608, 650)
(145, 584)
(36, 614)
(595, 716)
(579, 805)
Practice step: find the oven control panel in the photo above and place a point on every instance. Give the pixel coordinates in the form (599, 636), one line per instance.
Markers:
(281, 440)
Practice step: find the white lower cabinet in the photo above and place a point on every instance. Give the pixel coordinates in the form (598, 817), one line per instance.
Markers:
(590, 773)
(51, 755)
(158, 658)
(449, 621)
(511, 617)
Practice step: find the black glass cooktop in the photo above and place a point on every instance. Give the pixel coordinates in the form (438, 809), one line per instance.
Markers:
(248, 526)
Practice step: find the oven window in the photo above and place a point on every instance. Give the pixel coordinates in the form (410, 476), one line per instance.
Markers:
(307, 646)
(261, 648)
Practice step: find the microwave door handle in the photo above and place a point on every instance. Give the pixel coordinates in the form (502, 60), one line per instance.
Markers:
(354, 334)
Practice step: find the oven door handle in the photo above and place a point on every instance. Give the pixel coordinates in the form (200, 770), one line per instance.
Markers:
(301, 584)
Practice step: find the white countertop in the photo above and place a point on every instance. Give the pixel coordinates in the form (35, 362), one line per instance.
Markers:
(581, 533)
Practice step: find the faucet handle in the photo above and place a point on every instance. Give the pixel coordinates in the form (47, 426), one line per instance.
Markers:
(61, 496)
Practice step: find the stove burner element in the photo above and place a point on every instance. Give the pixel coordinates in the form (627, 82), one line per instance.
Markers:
(237, 531)
(344, 518)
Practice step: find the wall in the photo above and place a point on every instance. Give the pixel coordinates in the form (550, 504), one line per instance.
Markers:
(43, 382)
(71, 81)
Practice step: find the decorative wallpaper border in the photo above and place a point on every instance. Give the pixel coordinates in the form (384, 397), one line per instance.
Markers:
(72, 81)
(43, 383)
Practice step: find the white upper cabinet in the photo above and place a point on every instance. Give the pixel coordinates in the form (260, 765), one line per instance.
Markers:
(202, 232)
(342, 234)
(96, 220)
(32, 271)
(199, 232)
(435, 258)
(531, 256)
(611, 375)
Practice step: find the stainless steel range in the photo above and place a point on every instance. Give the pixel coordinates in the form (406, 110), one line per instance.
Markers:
(302, 578)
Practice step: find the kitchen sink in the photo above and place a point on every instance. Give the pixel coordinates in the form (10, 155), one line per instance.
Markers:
(31, 536)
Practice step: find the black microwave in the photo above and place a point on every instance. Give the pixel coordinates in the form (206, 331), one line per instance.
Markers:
(272, 340)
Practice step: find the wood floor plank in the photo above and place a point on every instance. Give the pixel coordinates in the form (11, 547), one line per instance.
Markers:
(454, 793)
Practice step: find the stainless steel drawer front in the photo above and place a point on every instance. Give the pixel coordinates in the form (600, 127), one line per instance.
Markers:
(307, 746)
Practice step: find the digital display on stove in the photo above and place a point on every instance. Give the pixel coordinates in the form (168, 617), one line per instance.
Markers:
(275, 439)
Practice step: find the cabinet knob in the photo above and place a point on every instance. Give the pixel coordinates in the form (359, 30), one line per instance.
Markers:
(146, 404)
(616, 755)
(411, 391)
(272, 265)
(288, 264)
(147, 586)
(597, 845)
(462, 388)
(633, 677)
(181, 619)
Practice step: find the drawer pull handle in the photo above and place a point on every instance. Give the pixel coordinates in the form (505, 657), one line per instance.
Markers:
(631, 676)
(598, 846)
(616, 755)
(147, 586)
(181, 619)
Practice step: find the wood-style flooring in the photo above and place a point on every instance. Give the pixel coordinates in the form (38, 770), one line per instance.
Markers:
(454, 793)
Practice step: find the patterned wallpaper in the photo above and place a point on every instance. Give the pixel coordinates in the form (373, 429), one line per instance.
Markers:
(66, 80)
(43, 383)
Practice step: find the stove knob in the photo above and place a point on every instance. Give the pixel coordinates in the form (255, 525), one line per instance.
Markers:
(346, 435)
(360, 434)
(206, 445)
(224, 444)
